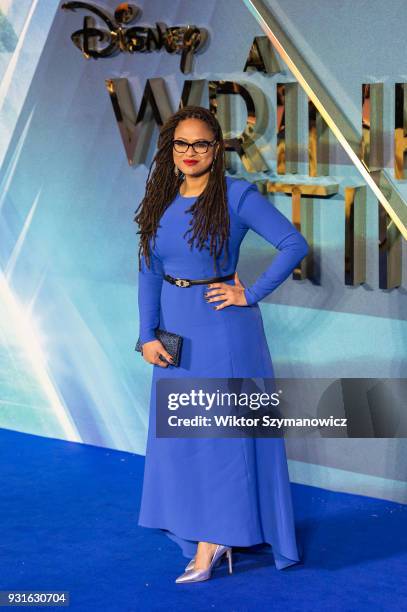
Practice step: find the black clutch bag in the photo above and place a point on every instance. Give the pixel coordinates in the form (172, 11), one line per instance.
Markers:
(172, 343)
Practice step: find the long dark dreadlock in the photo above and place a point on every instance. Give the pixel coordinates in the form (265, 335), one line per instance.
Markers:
(210, 216)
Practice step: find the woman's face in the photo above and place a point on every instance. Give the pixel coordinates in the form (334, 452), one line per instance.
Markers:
(193, 131)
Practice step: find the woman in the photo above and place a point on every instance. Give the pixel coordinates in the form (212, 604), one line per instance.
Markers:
(210, 494)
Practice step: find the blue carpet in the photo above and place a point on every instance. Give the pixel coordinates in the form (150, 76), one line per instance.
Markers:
(68, 517)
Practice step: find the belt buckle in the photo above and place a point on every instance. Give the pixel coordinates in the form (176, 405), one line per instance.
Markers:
(181, 282)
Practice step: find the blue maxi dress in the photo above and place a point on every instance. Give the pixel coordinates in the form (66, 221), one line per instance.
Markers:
(231, 491)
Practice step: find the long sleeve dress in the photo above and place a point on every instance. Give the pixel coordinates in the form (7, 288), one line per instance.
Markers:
(231, 491)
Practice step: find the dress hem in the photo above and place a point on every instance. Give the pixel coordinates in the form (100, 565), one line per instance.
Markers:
(281, 561)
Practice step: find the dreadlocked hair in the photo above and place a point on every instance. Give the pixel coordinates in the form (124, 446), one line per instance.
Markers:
(210, 215)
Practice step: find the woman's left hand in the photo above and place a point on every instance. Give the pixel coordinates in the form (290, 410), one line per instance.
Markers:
(231, 294)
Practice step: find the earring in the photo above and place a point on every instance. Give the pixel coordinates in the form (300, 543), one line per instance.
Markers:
(213, 164)
(179, 174)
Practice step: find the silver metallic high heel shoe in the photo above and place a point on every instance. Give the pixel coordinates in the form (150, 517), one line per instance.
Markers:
(197, 575)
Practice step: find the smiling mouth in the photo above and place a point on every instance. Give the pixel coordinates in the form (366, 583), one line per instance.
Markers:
(190, 162)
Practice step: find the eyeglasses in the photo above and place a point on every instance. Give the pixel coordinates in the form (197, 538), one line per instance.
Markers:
(200, 146)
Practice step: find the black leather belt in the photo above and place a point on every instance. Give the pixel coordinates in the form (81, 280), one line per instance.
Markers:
(187, 282)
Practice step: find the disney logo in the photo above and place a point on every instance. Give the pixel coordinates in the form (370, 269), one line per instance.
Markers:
(116, 37)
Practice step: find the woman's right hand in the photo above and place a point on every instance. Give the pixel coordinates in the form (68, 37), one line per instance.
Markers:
(152, 351)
